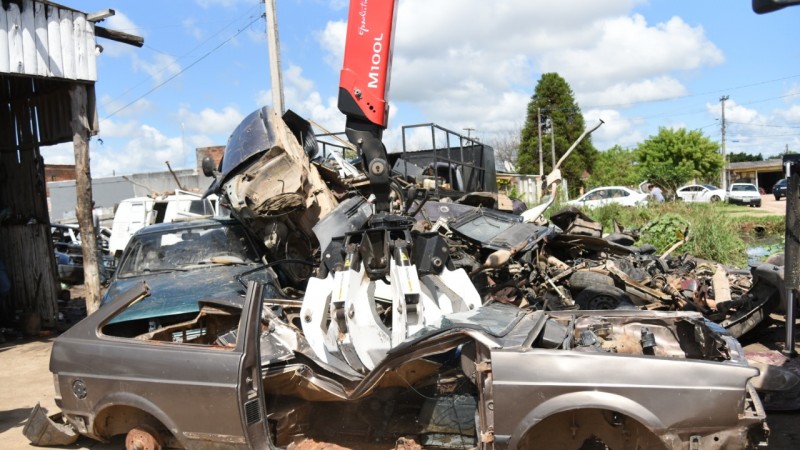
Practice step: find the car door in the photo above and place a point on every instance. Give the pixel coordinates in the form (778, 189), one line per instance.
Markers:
(703, 194)
(619, 196)
(252, 401)
(594, 198)
(690, 193)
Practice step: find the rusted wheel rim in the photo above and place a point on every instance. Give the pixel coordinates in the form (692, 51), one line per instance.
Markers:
(143, 437)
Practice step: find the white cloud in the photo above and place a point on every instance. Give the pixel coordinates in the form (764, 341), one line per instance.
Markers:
(119, 22)
(145, 152)
(302, 97)
(331, 39)
(159, 69)
(109, 105)
(113, 129)
(191, 28)
(616, 129)
(482, 59)
(625, 94)
(210, 121)
(59, 154)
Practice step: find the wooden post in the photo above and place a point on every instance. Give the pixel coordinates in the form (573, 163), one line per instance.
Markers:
(792, 250)
(83, 191)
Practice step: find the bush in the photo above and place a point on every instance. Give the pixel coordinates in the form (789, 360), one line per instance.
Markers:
(714, 235)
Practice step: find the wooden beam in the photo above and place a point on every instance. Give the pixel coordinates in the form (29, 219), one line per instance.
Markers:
(83, 191)
(118, 36)
(100, 15)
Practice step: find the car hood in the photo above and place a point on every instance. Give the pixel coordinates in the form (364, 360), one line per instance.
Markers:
(178, 292)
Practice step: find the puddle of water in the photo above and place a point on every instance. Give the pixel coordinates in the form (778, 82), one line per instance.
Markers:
(759, 249)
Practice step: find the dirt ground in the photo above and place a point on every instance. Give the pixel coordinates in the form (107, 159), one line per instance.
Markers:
(774, 207)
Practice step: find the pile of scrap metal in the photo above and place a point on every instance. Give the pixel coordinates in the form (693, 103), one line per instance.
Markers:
(438, 324)
(271, 182)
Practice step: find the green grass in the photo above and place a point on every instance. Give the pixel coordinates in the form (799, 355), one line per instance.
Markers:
(718, 231)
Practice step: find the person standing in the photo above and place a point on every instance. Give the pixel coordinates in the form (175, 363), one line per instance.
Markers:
(656, 193)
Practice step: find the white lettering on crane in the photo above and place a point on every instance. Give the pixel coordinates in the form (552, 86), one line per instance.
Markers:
(374, 70)
(363, 13)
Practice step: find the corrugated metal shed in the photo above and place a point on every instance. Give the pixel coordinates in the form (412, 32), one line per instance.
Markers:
(44, 39)
(47, 97)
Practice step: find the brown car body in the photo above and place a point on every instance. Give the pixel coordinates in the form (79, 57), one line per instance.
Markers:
(550, 379)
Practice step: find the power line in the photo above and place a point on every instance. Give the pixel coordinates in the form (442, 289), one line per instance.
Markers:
(173, 63)
(763, 125)
(699, 94)
(184, 69)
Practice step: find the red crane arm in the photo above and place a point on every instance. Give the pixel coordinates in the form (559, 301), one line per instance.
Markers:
(364, 80)
(363, 85)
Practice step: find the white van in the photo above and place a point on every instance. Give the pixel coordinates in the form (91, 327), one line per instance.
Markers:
(135, 213)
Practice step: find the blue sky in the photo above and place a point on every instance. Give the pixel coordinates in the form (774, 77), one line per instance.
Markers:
(639, 65)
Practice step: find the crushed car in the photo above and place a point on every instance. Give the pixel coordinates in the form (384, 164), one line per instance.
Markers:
(494, 377)
(422, 330)
(178, 261)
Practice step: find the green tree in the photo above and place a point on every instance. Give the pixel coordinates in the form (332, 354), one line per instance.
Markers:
(561, 114)
(615, 166)
(744, 157)
(673, 157)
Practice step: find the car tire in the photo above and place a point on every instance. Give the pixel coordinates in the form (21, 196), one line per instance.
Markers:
(601, 297)
(777, 197)
(583, 279)
(758, 205)
(715, 198)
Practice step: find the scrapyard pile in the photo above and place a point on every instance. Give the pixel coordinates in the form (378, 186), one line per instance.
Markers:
(438, 324)
(392, 290)
(565, 263)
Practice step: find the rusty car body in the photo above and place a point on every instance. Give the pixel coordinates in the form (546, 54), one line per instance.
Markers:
(455, 327)
(496, 377)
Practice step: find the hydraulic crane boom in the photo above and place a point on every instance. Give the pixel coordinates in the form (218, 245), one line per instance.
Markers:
(363, 85)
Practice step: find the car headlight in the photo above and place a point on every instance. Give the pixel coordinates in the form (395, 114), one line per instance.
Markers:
(57, 385)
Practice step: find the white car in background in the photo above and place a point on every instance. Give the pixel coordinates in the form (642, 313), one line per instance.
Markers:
(701, 193)
(610, 194)
(744, 194)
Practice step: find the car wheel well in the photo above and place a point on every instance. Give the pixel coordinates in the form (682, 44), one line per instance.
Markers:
(588, 429)
(601, 296)
(120, 419)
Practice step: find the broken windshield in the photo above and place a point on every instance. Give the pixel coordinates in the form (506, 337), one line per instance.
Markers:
(181, 249)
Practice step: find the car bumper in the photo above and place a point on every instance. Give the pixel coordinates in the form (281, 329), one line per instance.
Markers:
(744, 201)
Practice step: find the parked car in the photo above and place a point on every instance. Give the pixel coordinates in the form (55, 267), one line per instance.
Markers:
(69, 254)
(183, 263)
(779, 188)
(494, 377)
(700, 193)
(744, 194)
(610, 194)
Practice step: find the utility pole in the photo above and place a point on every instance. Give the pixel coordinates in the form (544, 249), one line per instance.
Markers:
(541, 161)
(553, 140)
(469, 132)
(724, 177)
(274, 56)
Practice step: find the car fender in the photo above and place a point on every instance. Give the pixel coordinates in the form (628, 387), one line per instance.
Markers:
(138, 402)
(587, 400)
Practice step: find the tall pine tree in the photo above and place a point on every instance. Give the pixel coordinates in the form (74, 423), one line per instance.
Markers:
(559, 112)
